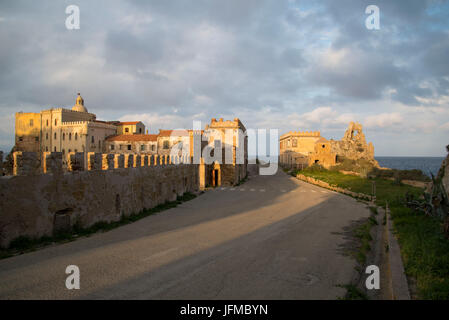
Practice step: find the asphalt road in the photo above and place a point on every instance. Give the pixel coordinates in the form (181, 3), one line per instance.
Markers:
(273, 237)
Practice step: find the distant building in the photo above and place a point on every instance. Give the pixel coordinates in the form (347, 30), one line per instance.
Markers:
(62, 130)
(132, 143)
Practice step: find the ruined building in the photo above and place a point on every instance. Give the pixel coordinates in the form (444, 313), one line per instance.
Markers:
(302, 149)
(353, 145)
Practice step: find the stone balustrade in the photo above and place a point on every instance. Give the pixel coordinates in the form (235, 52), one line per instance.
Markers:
(32, 163)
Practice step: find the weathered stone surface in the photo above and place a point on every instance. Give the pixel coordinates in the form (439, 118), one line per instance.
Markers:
(1, 163)
(443, 173)
(353, 145)
(119, 161)
(94, 161)
(75, 161)
(107, 161)
(26, 163)
(29, 204)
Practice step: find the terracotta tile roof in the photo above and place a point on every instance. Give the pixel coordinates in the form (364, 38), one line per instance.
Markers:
(175, 133)
(127, 123)
(133, 137)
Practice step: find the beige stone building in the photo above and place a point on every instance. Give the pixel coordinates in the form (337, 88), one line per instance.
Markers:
(132, 143)
(62, 130)
(232, 166)
(295, 147)
(132, 127)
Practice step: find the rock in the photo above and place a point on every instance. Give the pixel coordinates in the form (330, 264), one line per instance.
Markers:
(353, 145)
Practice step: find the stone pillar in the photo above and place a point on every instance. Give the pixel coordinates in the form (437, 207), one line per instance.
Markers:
(137, 161)
(144, 160)
(119, 161)
(129, 160)
(94, 161)
(156, 160)
(107, 161)
(25, 163)
(166, 159)
(202, 174)
(52, 162)
(75, 161)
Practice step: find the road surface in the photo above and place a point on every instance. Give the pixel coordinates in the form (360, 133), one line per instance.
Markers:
(273, 237)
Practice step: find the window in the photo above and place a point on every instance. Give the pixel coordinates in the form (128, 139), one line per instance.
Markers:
(70, 136)
(166, 144)
(31, 122)
(55, 149)
(295, 142)
(129, 147)
(142, 147)
(56, 122)
(20, 138)
(46, 149)
(47, 122)
(36, 139)
(126, 129)
(55, 135)
(112, 147)
(63, 136)
(140, 130)
(76, 150)
(63, 151)
(152, 147)
(46, 136)
(76, 135)
(93, 139)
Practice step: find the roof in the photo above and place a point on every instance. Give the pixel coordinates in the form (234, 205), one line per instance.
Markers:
(127, 123)
(133, 137)
(174, 133)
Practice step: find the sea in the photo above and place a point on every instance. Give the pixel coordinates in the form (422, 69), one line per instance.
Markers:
(426, 164)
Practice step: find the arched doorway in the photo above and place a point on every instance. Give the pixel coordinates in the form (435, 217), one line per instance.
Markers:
(216, 175)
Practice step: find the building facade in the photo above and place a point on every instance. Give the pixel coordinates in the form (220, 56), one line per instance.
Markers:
(62, 130)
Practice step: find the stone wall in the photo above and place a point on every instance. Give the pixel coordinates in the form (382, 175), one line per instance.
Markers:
(326, 185)
(37, 202)
(443, 173)
(353, 145)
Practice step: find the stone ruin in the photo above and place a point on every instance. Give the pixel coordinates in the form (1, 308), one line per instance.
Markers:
(353, 145)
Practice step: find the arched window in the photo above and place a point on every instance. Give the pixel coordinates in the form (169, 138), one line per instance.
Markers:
(76, 136)
(63, 136)
(70, 136)
(56, 122)
(55, 135)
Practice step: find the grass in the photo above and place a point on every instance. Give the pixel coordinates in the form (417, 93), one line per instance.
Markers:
(424, 248)
(425, 252)
(386, 190)
(362, 233)
(24, 244)
(353, 293)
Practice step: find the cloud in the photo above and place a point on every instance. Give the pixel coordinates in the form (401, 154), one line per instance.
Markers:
(274, 64)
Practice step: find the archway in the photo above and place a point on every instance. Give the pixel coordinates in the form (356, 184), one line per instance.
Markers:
(216, 175)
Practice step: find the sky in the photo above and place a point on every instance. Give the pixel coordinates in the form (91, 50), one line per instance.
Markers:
(287, 65)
